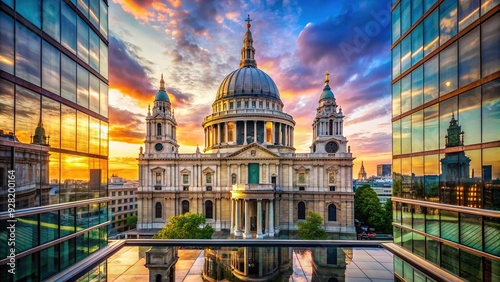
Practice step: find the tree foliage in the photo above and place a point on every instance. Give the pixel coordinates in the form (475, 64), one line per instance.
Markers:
(311, 228)
(367, 209)
(186, 226)
(132, 221)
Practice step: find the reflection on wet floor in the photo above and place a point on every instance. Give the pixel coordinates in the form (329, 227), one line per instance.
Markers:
(314, 264)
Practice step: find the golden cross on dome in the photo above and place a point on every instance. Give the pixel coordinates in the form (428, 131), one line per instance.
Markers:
(248, 20)
(326, 78)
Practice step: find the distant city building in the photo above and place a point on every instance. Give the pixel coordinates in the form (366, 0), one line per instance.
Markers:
(446, 140)
(384, 170)
(53, 136)
(381, 185)
(123, 202)
(249, 181)
(362, 172)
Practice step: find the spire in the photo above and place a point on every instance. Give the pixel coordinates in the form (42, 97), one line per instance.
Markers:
(162, 83)
(327, 80)
(248, 52)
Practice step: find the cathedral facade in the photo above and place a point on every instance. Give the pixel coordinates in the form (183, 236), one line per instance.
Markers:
(248, 180)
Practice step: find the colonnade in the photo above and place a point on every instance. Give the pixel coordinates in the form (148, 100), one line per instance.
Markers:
(328, 127)
(242, 211)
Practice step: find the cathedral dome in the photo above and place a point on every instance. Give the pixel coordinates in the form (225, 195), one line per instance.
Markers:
(327, 91)
(248, 81)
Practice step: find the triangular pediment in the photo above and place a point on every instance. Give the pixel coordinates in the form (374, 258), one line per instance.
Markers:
(185, 171)
(253, 151)
(208, 170)
(158, 169)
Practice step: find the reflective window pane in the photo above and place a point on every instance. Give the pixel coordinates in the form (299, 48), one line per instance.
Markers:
(406, 93)
(448, 69)
(447, 20)
(449, 225)
(82, 132)
(396, 137)
(471, 178)
(94, 136)
(68, 128)
(469, 69)
(68, 78)
(432, 221)
(103, 59)
(491, 177)
(417, 96)
(7, 46)
(432, 251)
(31, 10)
(469, 115)
(68, 27)
(104, 139)
(51, 68)
(28, 54)
(55, 177)
(82, 40)
(406, 178)
(490, 46)
(396, 24)
(417, 132)
(417, 186)
(406, 135)
(103, 101)
(491, 245)
(431, 130)
(405, 53)
(103, 19)
(67, 256)
(431, 177)
(416, 10)
(405, 15)
(431, 79)
(51, 118)
(6, 106)
(491, 111)
(449, 258)
(50, 262)
(468, 12)
(94, 50)
(431, 32)
(27, 114)
(396, 99)
(51, 18)
(396, 59)
(83, 6)
(447, 109)
(471, 231)
(82, 86)
(94, 12)
(94, 93)
(49, 226)
(471, 267)
(417, 52)
(487, 5)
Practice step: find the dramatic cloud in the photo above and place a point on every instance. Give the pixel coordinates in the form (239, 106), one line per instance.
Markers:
(126, 126)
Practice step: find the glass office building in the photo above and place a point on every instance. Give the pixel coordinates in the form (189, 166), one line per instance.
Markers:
(446, 139)
(53, 135)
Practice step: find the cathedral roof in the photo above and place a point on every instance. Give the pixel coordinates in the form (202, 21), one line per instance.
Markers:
(327, 92)
(161, 95)
(248, 80)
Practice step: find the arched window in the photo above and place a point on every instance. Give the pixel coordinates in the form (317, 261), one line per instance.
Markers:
(158, 210)
(332, 212)
(158, 129)
(233, 178)
(209, 210)
(185, 206)
(302, 210)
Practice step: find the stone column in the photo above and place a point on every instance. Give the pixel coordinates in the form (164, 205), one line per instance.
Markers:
(259, 219)
(247, 221)
(237, 226)
(273, 139)
(231, 231)
(280, 136)
(271, 217)
(225, 133)
(255, 131)
(245, 133)
(218, 134)
(266, 230)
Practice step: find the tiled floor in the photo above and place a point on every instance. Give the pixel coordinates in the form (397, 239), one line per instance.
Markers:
(360, 265)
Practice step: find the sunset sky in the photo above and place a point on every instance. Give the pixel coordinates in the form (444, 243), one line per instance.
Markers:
(195, 44)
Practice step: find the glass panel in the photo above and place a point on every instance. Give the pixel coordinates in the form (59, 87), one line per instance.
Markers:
(94, 12)
(51, 67)
(82, 246)
(432, 252)
(82, 40)
(471, 178)
(83, 6)
(447, 20)
(103, 99)
(396, 60)
(26, 233)
(416, 10)
(406, 178)
(82, 86)
(103, 165)
(94, 136)
(431, 79)
(417, 87)
(447, 110)
(28, 55)
(468, 12)
(428, 4)
(396, 24)
(405, 53)
(419, 219)
(406, 94)
(491, 177)
(29, 266)
(9, 3)
(419, 245)
(491, 111)
(448, 69)
(431, 32)
(469, 65)
(396, 178)
(490, 46)
(54, 177)
(7, 46)
(431, 132)
(103, 20)
(449, 225)
(82, 132)
(432, 221)
(396, 137)
(94, 50)
(49, 226)
(417, 44)
(471, 267)
(27, 114)
(94, 241)
(471, 231)
(406, 135)
(450, 258)
(68, 27)
(396, 99)
(103, 59)
(491, 238)
(49, 262)
(487, 5)
(406, 240)
(51, 118)
(405, 15)
(31, 10)
(51, 18)
(104, 138)
(68, 128)
(6, 106)
(67, 222)
(75, 176)
(417, 169)
(68, 78)
(417, 132)
(469, 116)
(67, 253)
(94, 93)
(431, 177)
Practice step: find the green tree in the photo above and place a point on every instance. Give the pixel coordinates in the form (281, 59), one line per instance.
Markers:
(367, 208)
(186, 226)
(311, 229)
(387, 226)
(132, 221)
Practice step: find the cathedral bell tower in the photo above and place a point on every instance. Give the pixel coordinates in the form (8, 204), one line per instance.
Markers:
(161, 125)
(328, 125)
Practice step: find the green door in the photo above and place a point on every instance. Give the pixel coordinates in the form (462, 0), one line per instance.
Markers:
(253, 173)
